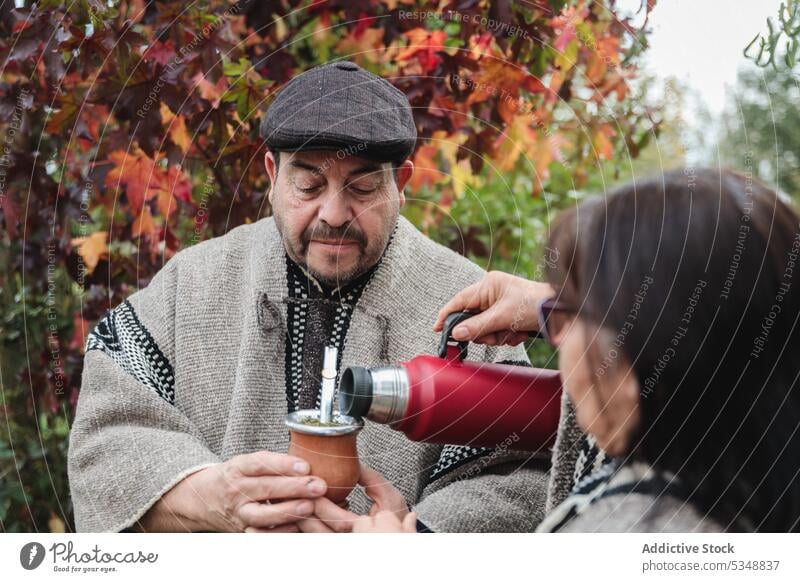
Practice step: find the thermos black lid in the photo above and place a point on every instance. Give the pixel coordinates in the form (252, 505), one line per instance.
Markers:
(355, 392)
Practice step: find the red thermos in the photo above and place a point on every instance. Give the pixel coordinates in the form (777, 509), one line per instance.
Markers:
(447, 400)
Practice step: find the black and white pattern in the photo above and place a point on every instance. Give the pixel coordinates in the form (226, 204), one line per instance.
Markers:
(591, 458)
(454, 456)
(341, 323)
(125, 340)
(614, 479)
(585, 492)
(303, 294)
(296, 327)
(594, 469)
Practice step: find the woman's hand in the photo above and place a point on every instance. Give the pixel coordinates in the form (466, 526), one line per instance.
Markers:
(329, 517)
(386, 522)
(508, 309)
(385, 496)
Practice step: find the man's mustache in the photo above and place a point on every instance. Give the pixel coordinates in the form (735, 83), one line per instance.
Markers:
(343, 234)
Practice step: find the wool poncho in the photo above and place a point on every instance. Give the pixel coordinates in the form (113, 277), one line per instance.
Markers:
(204, 363)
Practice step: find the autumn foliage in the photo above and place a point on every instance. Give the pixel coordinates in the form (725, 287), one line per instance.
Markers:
(130, 132)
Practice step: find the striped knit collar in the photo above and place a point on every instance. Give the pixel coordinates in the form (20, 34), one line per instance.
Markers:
(611, 479)
(317, 316)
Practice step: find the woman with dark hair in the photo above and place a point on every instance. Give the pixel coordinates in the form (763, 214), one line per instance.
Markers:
(675, 306)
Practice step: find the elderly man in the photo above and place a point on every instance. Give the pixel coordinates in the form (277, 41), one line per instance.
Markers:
(179, 424)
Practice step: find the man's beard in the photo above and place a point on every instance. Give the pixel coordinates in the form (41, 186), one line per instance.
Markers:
(367, 258)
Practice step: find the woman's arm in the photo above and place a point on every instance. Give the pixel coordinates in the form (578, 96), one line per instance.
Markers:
(507, 305)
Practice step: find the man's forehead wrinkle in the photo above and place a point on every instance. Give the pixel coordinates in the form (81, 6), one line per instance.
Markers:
(327, 164)
(301, 165)
(368, 171)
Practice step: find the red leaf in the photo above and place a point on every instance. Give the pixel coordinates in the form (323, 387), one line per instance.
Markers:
(138, 172)
(160, 52)
(9, 214)
(179, 184)
(564, 38)
(423, 46)
(80, 329)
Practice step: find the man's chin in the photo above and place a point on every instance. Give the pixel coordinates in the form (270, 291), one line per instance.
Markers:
(333, 273)
(335, 279)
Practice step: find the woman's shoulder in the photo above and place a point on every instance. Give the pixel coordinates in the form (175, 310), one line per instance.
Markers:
(642, 513)
(633, 498)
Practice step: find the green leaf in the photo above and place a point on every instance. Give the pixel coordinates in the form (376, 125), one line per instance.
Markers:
(61, 428)
(231, 69)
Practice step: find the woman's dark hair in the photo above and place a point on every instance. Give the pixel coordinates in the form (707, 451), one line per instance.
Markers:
(696, 275)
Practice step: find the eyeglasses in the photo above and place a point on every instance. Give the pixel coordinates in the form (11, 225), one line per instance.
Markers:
(553, 316)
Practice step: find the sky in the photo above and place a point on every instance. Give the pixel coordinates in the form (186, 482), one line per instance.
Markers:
(701, 41)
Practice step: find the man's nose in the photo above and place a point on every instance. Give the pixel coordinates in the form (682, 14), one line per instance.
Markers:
(335, 209)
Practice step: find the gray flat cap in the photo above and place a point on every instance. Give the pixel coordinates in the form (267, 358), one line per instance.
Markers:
(341, 106)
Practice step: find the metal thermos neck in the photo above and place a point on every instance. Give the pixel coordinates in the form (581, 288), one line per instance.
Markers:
(389, 394)
(379, 394)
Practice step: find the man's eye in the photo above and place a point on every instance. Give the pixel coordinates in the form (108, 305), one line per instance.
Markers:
(309, 189)
(361, 188)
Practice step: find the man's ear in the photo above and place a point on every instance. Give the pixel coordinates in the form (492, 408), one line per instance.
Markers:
(401, 177)
(269, 164)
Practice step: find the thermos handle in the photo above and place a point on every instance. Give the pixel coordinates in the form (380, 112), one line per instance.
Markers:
(447, 341)
(453, 320)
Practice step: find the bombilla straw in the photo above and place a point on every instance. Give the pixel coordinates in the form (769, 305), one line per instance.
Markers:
(328, 385)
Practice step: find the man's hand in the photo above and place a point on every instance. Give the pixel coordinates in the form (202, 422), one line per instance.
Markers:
(508, 307)
(259, 491)
(329, 517)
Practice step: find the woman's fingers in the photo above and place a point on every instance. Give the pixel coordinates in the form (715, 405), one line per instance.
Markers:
(364, 524)
(466, 299)
(314, 525)
(370, 478)
(383, 493)
(484, 324)
(333, 516)
(375, 486)
(507, 305)
(387, 522)
(410, 523)
(382, 521)
(286, 528)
